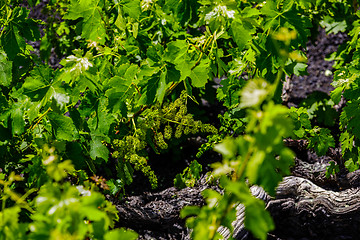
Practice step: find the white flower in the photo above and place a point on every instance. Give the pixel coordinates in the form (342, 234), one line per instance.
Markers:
(92, 44)
(146, 4)
(254, 93)
(81, 63)
(65, 202)
(163, 21)
(238, 67)
(82, 191)
(220, 11)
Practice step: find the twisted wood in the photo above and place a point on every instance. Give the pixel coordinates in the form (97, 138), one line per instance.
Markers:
(301, 209)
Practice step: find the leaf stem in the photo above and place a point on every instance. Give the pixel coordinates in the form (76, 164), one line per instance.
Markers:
(40, 118)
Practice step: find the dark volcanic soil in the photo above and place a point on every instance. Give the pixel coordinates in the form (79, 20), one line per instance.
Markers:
(319, 76)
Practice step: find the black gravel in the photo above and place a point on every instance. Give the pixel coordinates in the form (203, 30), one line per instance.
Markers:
(318, 78)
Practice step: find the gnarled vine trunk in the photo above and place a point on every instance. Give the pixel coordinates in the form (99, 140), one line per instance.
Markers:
(301, 209)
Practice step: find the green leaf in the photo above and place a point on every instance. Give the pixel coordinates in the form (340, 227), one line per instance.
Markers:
(20, 26)
(336, 94)
(228, 148)
(161, 90)
(125, 172)
(5, 70)
(64, 128)
(28, 27)
(200, 74)
(347, 142)
(102, 120)
(11, 227)
(242, 33)
(121, 234)
(257, 219)
(131, 8)
(98, 150)
(332, 169)
(13, 43)
(333, 26)
(18, 119)
(119, 90)
(321, 140)
(74, 152)
(154, 88)
(179, 182)
(350, 117)
(351, 166)
(254, 93)
(92, 26)
(175, 50)
(59, 171)
(300, 69)
(189, 211)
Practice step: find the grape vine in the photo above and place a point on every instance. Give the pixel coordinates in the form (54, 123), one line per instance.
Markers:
(127, 74)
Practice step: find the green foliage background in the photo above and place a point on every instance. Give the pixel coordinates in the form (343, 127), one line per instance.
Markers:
(128, 72)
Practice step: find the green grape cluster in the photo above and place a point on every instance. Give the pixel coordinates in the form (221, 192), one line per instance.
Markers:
(155, 127)
(140, 164)
(176, 114)
(159, 138)
(168, 132)
(130, 149)
(211, 141)
(230, 126)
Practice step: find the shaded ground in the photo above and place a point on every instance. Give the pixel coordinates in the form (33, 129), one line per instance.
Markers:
(319, 76)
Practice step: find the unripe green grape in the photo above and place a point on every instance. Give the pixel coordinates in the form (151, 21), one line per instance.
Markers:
(115, 154)
(178, 116)
(194, 130)
(116, 142)
(187, 130)
(167, 132)
(191, 121)
(139, 133)
(183, 109)
(157, 123)
(142, 144)
(178, 131)
(160, 141)
(184, 121)
(183, 96)
(178, 103)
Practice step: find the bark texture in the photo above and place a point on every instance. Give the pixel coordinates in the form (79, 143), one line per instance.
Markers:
(301, 210)
(305, 210)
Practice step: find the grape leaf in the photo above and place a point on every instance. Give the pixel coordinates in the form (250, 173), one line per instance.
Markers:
(102, 120)
(119, 89)
(321, 140)
(332, 26)
(350, 117)
(200, 74)
(121, 233)
(98, 150)
(5, 70)
(18, 121)
(257, 219)
(92, 25)
(64, 128)
(20, 26)
(242, 33)
(13, 43)
(131, 8)
(347, 142)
